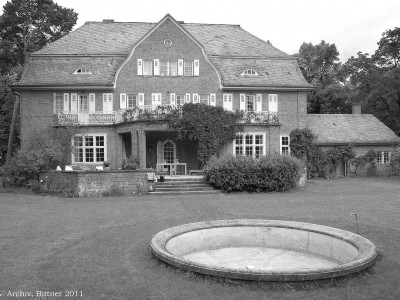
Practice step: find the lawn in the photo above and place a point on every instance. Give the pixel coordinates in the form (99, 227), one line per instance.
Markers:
(99, 246)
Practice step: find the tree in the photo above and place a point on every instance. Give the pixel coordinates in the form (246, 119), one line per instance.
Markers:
(25, 26)
(320, 66)
(28, 25)
(374, 81)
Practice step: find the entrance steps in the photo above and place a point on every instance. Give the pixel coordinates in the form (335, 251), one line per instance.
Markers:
(182, 185)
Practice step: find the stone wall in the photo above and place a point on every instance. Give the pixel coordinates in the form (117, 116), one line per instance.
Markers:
(95, 183)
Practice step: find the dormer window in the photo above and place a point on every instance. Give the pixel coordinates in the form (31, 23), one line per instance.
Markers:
(83, 71)
(249, 72)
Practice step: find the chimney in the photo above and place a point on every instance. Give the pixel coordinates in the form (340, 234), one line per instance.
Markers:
(107, 21)
(356, 109)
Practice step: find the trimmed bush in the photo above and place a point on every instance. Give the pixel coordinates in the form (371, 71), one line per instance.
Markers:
(265, 174)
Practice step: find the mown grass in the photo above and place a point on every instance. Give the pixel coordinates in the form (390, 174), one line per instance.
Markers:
(100, 245)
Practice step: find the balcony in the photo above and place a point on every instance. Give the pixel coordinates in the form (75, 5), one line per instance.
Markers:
(149, 113)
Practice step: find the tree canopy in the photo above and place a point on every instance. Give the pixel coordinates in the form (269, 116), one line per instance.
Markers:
(25, 26)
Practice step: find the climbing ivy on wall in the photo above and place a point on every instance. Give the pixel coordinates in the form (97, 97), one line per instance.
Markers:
(209, 126)
(319, 163)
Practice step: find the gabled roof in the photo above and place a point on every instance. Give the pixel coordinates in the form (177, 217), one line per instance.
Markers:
(98, 38)
(106, 44)
(346, 129)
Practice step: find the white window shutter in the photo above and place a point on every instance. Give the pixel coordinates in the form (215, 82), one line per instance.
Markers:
(242, 102)
(159, 98)
(122, 101)
(141, 99)
(157, 67)
(66, 102)
(195, 98)
(106, 100)
(273, 102)
(180, 67)
(196, 68)
(172, 98)
(54, 103)
(140, 67)
(259, 102)
(92, 102)
(74, 102)
(227, 101)
(187, 98)
(213, 101)
(153, 99)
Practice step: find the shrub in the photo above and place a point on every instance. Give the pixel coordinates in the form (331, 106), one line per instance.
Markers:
(395, 161)
(44, 151)
(266, 174)
(130, 163)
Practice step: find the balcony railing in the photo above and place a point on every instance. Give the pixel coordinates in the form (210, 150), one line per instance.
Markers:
(149, 112)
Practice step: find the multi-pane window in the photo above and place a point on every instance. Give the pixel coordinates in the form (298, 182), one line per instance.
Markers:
(148, 67)
(58, 103)
(204, 98)
(89, 149)
(180, 99)
(285, 144)
(131, 100)
(83, 104)
(168, 152)
(168, 68)
(383, 157)
(250, 103)
(250, 144)
(188, 68)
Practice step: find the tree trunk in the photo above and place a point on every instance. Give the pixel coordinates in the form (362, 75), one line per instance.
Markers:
(12, 128)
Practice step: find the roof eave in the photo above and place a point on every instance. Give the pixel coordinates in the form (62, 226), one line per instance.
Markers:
(375, 143)
(273, 88)
(25, 87)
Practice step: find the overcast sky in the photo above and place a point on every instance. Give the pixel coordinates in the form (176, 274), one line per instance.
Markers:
(353, 25)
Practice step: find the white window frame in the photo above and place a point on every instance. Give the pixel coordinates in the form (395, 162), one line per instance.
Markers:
(94, 147)
(207, 100)
(58, 103)
(146, 62)
(83, 103)
(254, 146)
(281, 145)
(249, 72)
(383, 157)
(187, 64)
(131, 98)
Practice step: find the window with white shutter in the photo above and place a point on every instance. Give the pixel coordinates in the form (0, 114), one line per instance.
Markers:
(227, 101)
(58, 103)
(156, 67)
(66, 102)
(187, 98)
(196, 68)
(259, 102)
(122, 101)
(180, 67)
(131, 100)
(140, 67)
(242, 101)
(172, 98)
(74, 102)
(213, 101)
(92, 102)
(107, 102)
(195, 98)
(141, 99)
(273, 103)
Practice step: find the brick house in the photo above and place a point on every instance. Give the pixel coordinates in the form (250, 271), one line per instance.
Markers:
(97, 73)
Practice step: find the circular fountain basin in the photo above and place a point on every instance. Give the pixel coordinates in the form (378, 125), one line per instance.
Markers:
(266, 250)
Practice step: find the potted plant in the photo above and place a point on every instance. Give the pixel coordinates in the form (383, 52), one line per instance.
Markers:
(106, 165)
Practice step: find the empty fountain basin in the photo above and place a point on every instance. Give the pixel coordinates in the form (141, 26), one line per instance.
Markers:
(266, 250)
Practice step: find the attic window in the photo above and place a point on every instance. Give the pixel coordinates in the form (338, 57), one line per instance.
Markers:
(249, 72)
(83, 71)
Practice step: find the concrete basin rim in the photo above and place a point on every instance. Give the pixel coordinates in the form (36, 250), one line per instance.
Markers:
(366, 257)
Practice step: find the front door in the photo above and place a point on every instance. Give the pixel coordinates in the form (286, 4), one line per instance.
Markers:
(166, 156)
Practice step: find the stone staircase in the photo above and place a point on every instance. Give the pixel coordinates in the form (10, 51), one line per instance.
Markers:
(184, 185)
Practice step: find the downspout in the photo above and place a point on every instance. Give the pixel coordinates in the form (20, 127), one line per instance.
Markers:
(12, 128)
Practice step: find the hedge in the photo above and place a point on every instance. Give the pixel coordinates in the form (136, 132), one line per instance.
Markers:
(265, 174)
